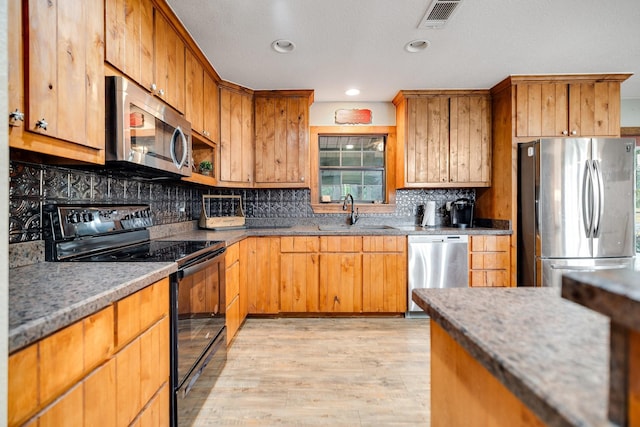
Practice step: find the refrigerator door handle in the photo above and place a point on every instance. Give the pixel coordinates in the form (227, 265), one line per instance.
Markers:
(587, 199)
(588, 267)
(599, 200)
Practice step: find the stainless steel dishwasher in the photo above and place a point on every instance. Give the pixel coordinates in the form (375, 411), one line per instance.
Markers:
(436, 261)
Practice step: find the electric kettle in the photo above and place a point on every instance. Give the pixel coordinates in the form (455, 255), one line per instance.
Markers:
(462, 213)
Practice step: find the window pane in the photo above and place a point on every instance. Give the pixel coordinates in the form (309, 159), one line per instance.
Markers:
(373, 159)
(329, 158)
(350, 158)
(330, 177)
(350, 177)
(372, 178)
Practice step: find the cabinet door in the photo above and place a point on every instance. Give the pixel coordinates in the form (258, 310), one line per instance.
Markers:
(211, 108)
(194, 96)
(169, 63)
(264, 266)
(236, 138)
(594, 109)
(66, 71)
(299, 283)
(427, 140)
(542, 109)
(470, 140)
(341, 282)
(129, 38)
(282, 140)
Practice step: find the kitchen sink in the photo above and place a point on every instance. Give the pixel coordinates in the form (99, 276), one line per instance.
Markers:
(355, 228)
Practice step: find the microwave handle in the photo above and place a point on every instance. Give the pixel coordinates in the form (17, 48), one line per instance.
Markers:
(177, 133)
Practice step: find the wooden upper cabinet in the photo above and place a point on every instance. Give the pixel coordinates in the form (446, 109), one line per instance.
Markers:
(446, 138)
(142, 43)
(58, 83)
(202, 107)
(194, 97)
(470, 140)
(129, 38)
(588, 106)
(236, 137)
(210, 108)
(282, 138)
(169, 63)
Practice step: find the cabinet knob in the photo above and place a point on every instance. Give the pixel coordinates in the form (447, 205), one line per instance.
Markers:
(302, 178)
(153, 87)
(15, 117)
(161, 92)
(565, 132)
(574, 132)
(42, 124)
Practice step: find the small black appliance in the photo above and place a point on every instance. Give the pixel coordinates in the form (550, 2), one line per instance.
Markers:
(462, 213)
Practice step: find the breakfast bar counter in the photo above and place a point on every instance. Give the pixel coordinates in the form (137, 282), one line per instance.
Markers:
(516, 356)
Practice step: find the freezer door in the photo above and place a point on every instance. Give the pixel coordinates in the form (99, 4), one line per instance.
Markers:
(553, 269)
(614, 176)
(564, 198)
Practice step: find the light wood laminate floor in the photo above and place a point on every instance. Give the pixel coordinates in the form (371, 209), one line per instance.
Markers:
(324, 372)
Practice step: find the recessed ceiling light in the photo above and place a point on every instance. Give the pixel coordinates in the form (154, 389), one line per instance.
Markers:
(417, 46)
(283, 46)
(352, 92)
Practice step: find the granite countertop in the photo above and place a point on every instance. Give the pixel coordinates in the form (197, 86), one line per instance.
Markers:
(48, 296)
(232, 235)
(614, 293)
(549, 352)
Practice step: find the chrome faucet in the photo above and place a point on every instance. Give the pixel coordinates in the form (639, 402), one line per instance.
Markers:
(353, 216)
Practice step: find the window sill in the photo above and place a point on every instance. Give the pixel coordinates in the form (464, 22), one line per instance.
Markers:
(362, 208)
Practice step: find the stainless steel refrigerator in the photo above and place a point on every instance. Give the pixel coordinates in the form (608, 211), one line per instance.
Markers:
(575, 207)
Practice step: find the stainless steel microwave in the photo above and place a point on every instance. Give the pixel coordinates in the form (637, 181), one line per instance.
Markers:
(144, 132)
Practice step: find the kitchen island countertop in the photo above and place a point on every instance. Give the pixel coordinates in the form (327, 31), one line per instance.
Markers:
(552, 354)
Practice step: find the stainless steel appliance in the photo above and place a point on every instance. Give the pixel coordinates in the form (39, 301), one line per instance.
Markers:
(575, 207)
(141, 130)
(462, 213)
(436, 261)
(111, 233)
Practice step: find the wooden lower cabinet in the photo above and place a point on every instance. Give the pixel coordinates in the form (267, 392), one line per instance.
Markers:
(384, 274)
(263, 268)
(299, 274)
(232, 291)
(99, 370)
(489, 261)
(341, 282)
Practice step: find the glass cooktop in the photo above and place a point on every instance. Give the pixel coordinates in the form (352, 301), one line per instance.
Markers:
(157, 251)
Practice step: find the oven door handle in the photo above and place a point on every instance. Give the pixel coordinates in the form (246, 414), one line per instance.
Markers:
(201, 265)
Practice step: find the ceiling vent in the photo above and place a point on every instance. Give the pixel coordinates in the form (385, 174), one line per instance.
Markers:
(438, 13)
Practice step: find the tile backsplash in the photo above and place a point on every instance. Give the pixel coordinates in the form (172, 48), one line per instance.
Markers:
(33, 185)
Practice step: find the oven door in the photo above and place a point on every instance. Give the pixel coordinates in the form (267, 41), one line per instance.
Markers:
(198, 330)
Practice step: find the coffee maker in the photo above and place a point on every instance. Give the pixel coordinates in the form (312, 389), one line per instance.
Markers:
(462, 213)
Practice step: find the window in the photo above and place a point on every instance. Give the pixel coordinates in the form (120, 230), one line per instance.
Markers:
(367, 170)
(353, 164)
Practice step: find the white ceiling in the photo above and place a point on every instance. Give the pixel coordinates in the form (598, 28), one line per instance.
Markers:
(360, 43)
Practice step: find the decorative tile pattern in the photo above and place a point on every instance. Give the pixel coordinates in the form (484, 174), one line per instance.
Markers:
(174, 202)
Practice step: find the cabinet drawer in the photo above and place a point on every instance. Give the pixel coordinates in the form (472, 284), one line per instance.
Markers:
(137, 312)
(489, 260)
(395, 244)
(232, 282)
(340, 243)
(299, 244)
(232, 255)
(233, 318)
